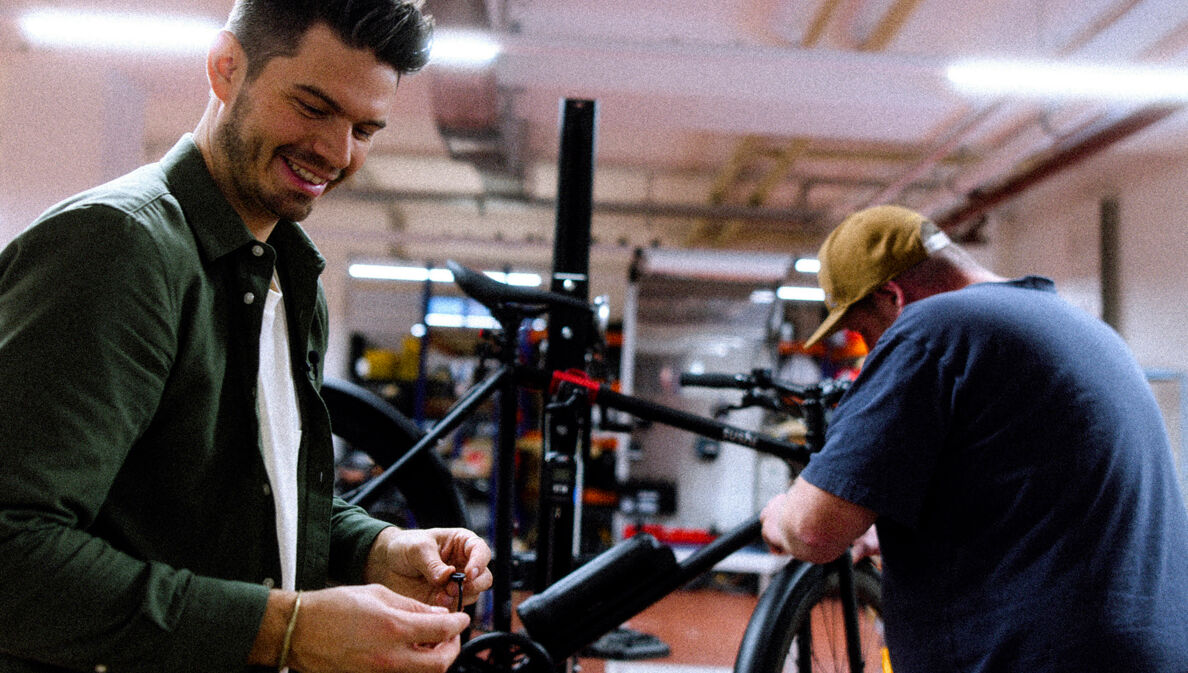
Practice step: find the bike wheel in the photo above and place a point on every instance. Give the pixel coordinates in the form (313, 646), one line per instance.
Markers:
(422, 494)
(798, 625)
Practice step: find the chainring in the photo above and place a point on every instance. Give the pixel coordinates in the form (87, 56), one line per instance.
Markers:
(501, 652)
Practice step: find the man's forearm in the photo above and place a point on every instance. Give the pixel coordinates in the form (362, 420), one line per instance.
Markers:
(270, 638)
(813, 525)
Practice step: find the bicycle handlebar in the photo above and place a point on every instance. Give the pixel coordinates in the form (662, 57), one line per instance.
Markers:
(716, 380)
(826, 392)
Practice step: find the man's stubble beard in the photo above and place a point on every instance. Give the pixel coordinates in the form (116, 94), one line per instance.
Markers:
(240, 153)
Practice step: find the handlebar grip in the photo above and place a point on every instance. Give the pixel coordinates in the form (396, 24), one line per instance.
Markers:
(716, 380)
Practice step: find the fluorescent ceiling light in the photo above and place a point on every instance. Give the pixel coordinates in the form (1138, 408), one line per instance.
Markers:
(393, 272)
(463, 48)
(368, 271)
(717, 265)
(467, 321)
(763, 297)
(807, 265)
(795, 293)
(113, 31)
(1049, 80)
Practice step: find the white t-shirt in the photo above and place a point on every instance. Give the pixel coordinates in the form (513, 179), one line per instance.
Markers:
(280, 428)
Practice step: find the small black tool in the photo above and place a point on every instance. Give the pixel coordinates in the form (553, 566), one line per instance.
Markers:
(459, 579)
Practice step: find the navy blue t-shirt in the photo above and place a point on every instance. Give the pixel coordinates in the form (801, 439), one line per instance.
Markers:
(1028, 508)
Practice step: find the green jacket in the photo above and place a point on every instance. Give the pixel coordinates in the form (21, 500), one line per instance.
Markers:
(137, 527)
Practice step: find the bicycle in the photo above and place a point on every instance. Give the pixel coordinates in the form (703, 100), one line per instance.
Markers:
(800, 618)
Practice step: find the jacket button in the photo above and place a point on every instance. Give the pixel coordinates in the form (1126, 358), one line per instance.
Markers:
(249, 297)
(258, 250)
(269, 582)
(267, 489)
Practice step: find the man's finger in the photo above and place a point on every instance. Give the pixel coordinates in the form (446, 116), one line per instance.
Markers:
(436, 627)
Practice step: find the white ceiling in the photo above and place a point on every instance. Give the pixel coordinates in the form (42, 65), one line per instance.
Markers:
(721, 123)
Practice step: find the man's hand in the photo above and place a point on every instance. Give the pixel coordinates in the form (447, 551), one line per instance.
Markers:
(370, 629)
(866, 545)
(418, 563)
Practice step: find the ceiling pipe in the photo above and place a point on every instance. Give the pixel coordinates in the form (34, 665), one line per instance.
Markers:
(952, 140)
(887, 28)
(1170, 44)
(890, 25)
(804, 216)
(972, 120)
(1062, 156)
(1078, 146)
(820, 22)
(473, 116)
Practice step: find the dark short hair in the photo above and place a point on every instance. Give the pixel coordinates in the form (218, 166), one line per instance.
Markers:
(396, 31)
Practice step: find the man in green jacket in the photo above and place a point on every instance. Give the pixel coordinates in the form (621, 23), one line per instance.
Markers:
(166, 466)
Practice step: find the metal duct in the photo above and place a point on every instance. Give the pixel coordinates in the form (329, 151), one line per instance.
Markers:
(468, 107)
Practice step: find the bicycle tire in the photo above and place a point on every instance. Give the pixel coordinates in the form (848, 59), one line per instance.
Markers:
(803, 598)
(423, 493)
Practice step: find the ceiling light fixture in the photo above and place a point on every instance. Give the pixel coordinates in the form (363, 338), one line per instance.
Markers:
(763, 297)
(807, 265)
(462, 321)
(375, 271)
(463, 48)
(796, 293)
(1048, 80)
(111, 31)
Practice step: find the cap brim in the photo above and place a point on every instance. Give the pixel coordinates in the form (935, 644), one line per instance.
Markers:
(828, 326)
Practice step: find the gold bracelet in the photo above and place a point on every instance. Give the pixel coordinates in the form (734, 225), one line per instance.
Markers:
(288, 641)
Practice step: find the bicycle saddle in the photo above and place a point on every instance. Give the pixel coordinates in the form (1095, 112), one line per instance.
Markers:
(494, 294)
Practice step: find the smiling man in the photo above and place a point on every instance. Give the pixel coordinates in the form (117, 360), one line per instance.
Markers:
(166, 474)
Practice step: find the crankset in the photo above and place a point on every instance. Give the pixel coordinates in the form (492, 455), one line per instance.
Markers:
(501, 652)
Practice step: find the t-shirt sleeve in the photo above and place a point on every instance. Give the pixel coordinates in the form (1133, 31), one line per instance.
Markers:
(886, 437)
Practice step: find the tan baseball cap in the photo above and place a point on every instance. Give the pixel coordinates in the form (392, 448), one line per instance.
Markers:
(867, 249)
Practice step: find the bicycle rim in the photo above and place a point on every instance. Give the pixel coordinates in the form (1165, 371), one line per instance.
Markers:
(422, 494)
(826, 639)
(805, 631)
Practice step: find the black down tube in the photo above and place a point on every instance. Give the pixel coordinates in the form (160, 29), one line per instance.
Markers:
(617, 585)
(459, 412)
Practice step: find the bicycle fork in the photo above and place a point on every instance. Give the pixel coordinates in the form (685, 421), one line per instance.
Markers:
(844, 566)
(848, 596)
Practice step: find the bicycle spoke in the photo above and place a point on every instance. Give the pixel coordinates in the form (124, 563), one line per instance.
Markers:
(824, 646)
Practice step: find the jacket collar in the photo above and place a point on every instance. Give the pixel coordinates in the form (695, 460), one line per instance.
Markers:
(218, 229)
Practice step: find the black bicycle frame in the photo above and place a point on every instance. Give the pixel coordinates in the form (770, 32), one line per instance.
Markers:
(617, 585)
(507, 380)
(601, 394)
(365, 494)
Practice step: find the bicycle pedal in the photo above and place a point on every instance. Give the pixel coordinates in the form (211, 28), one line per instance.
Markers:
(627, 645)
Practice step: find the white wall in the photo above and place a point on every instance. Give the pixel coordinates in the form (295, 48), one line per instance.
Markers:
(62, 132)
(1054, 229)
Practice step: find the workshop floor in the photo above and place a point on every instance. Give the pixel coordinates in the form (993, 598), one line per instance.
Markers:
(702, 628)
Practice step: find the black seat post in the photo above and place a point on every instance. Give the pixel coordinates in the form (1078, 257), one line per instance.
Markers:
(510, 306)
